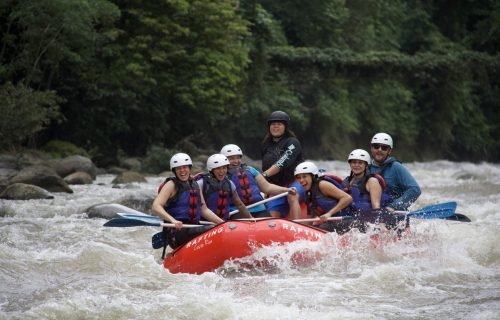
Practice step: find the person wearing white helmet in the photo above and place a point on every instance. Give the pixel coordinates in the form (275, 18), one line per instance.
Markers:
(281, 150)
(367, 190)
(401, 185)
(326, 196)
(219, 191)
(249, 182)
(180, 201)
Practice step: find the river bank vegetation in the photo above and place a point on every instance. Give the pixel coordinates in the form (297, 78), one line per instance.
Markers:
(136, 77)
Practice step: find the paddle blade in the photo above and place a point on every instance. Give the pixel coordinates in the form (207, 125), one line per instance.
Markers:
(145, 217)
(124, 223)
(158, 241)
(459, 217)
(437, 211)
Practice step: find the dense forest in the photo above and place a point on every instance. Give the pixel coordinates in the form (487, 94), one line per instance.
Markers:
(128, 77)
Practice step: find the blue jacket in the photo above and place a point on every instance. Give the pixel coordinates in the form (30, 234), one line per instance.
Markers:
(400, 183)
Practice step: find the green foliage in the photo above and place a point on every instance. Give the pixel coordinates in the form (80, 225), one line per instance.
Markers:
(132, 74)
(61, 149)
(157, 159)
(25, 112)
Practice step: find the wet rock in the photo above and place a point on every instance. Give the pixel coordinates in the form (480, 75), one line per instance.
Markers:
(78, 177)
(43, 177)
(128, 177)
(22, 191)
(131, 164)
(108, 210)
(72, 164)
(116, 170)
(138, 201)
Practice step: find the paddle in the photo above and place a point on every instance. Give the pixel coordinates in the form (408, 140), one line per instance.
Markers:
(261, 202)
(142, 219)
(459, 217)
(138, 219)
(126, 222)
(436, 211)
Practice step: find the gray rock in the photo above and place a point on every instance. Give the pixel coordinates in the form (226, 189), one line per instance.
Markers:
(41, 176)
(71, 164)
(132, 164)
(78, 177)
(137, 201)
(108, 210)
(128, 177)
(22, 191)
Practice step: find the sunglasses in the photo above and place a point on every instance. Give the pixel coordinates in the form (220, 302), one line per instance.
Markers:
(380, 146)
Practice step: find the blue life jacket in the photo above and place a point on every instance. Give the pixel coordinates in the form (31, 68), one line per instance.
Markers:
(317, 202)
(246, 185)
(185, 205)
(217, 195)
(361, 197)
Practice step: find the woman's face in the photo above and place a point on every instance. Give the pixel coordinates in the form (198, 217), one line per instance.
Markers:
(182, 173)
(305, 180)
(277, 129)
(234, 161)
(219, 173)
(358, 167)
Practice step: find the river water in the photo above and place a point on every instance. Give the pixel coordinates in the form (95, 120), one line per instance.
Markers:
(55, 263)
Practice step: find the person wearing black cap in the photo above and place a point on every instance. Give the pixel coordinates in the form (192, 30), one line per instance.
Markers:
(281, 150)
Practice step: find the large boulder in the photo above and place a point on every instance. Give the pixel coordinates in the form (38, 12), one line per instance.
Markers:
(128, 177)
(108, 210)
(71, 164)
(78, 177)
(22, 191)
(41, 176)
(138, 201)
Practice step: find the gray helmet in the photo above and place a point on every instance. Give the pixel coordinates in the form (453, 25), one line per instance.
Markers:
(280, 116)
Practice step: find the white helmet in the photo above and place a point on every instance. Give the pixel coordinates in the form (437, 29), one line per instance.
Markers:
(217, 160)
(306, 167)
(359, 154)
(382, 138)
(231, 150)
(179, 160)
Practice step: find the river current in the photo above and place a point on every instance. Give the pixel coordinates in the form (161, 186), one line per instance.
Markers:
(55, 263)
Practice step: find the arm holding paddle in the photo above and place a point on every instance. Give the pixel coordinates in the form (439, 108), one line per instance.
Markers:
(343, 199)
(269, 188)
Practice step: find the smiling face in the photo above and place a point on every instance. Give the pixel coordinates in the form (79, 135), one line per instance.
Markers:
(182, 173)
(380, 152)
(358, 167)
(234, 161)
(305, 180)
(219, 173)
(277, 129)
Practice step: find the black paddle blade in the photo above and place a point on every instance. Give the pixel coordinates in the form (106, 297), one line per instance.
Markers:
(459, 217)
(123, 223)
(158, 241)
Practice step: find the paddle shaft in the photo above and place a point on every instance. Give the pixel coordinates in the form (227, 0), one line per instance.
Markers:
(329, 219)
(261, 202)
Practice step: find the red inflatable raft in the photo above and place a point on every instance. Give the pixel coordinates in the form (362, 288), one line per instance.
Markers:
(233, 240)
